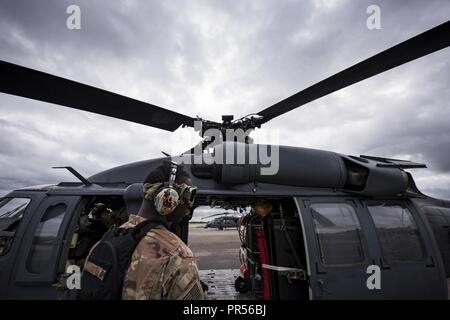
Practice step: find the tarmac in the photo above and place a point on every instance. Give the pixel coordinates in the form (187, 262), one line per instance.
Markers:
(217, 253)
(215, 249)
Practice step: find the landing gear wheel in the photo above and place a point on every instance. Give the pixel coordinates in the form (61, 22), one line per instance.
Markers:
(242, 285)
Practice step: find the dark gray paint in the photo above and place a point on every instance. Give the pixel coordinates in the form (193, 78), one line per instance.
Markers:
(342, 282)
(410, 280)
(299, 167)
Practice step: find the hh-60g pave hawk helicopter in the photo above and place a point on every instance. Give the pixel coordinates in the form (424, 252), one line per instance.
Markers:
(222, 222)
(332, 216)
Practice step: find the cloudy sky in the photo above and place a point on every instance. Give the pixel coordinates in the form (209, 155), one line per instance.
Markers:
(210, 58)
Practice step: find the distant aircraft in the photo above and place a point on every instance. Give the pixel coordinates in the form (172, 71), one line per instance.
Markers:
(222, 222)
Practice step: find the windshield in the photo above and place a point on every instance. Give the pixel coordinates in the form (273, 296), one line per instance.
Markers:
(12, 207)
(11, 212)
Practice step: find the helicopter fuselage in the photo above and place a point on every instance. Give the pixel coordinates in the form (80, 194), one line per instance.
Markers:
(344, 229)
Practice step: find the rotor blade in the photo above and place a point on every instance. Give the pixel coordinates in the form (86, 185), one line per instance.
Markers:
(217, 214)
(425, 43)
(33, 84)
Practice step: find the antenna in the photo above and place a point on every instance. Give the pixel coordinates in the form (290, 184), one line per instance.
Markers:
(85, 181)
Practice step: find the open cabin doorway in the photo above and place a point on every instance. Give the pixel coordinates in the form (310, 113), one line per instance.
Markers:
(263, 256)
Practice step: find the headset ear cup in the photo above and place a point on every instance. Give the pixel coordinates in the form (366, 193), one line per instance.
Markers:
(166, 200)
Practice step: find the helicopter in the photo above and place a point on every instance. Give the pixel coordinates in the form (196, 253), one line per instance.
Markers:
(331, 218)
(222, 222)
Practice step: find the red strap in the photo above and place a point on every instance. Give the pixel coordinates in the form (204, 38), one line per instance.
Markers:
(244, 270)
(264, 259)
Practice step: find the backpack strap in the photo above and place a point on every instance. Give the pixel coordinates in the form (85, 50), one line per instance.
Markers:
(141, 229)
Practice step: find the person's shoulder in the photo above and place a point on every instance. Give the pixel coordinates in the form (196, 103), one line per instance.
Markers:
(167, 242)
(158, 243)
(133, 220)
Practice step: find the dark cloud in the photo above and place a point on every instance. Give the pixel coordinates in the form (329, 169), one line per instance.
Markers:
(210, 58)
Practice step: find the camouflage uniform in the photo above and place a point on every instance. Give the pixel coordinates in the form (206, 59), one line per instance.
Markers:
(161, 267)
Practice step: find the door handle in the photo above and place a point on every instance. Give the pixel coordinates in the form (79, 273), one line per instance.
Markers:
(384, 265)
(321, 286)
(318, 271)
(431, 264)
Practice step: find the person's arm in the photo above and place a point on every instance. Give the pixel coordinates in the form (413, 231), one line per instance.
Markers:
(181, 280)
(143, 280)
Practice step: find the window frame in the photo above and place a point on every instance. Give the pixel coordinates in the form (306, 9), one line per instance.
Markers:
(417, 220)
(23, 276)
(54, 244)
(428, 211)
(363, 237)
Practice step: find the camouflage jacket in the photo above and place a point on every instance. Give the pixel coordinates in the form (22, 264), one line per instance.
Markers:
(161, 267)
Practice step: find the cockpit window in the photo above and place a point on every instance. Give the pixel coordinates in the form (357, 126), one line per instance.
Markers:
(11, 212)
(338, 233)
(398, 233)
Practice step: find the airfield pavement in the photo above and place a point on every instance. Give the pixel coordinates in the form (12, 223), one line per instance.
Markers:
(215, 249)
